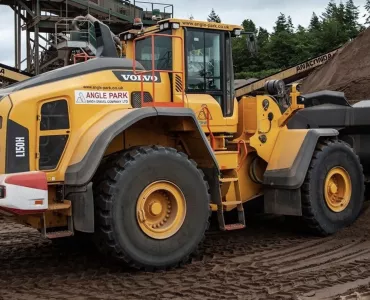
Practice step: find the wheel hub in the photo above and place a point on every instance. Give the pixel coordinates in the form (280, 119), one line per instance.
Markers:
(333, 188)
(161, 210)
(338, 189)
(156, 208)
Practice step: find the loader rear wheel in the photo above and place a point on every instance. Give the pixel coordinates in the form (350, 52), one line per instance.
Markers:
(152, 208)
(333, 191)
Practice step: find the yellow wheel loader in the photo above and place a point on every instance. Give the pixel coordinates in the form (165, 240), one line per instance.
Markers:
(138, 152)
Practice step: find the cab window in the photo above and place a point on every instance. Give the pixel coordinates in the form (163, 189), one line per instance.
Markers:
(162, 52)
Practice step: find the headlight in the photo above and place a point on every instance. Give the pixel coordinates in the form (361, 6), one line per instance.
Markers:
(175, 25)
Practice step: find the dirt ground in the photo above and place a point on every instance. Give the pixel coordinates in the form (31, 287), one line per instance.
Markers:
(268, 260)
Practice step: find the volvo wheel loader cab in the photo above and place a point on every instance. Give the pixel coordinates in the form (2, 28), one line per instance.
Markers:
(138, 152)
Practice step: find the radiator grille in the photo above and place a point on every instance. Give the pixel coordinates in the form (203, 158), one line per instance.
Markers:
(178, 83)
(136, 99)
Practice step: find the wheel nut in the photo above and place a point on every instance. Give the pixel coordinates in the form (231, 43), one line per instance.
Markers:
(162, 223)
(167, 216)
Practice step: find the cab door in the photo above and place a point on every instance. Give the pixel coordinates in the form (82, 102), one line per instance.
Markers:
(208, 79)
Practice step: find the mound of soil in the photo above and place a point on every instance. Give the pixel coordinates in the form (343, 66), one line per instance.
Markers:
(348, 71)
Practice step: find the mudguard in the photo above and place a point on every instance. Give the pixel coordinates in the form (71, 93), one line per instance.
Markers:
(291, 157)
(82, 172)
(287, 169)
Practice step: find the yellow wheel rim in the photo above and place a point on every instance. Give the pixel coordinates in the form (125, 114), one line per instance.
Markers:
(338, 189)
(161, 209)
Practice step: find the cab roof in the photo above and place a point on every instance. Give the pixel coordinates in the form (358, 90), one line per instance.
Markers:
(203, 24)
(188, 23)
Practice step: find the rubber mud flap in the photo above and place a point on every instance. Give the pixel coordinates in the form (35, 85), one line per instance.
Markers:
(283, 202)
(83, 209)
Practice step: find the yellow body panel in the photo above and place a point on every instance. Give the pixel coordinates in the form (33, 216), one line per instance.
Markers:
(199, 103)
(227, 160)
(282, 156)
(5, 106)
(89, 133)
(265, 128)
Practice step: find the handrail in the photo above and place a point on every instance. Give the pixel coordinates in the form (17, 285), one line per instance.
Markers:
(67, 23)
(153, 71)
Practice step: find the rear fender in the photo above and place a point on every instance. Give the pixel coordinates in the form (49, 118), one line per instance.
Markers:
(82, 172)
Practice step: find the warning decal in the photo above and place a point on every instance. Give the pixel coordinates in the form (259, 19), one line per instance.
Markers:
(100, 97)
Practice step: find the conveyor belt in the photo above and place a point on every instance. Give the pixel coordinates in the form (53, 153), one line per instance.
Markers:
(13, 75)
(288, 75)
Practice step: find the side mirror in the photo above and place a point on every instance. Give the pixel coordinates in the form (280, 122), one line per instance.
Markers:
(251, 42)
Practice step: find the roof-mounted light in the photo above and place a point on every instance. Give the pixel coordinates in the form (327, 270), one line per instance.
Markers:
(128, 36)
(164, 26)
(175, 25)
(237, 32)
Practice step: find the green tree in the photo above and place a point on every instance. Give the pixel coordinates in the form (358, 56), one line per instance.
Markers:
(304, 45)
(315, 24)
(314, 35)
(249, 26)
(330, 11)
(287, 45)
(263, 37)
(351, 19)
(282, 46)
(367, 8)
(213, 17)
(281, 24)
(290, 26)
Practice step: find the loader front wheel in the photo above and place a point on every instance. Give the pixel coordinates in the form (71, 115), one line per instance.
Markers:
(152, 208)
(333, 191)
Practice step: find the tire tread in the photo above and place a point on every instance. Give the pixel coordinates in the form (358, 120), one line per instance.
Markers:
(307, 209)
(112, 169)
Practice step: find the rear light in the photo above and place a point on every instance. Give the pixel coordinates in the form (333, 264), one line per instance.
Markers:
(2, 192)
(39, 202)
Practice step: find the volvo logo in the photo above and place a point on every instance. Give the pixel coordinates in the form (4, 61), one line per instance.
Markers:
(129, 76)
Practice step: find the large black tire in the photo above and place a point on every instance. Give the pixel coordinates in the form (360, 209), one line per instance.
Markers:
(118, 233)
(317, 215)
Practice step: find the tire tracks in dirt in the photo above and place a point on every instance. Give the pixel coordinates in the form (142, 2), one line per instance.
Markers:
(268, 260)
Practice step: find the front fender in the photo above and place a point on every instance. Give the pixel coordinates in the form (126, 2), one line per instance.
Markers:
(291, 157)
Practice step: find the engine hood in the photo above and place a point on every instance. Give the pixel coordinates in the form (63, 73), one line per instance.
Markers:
(90, 66)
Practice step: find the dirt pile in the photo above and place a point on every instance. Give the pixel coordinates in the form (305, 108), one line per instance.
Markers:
(348, 71)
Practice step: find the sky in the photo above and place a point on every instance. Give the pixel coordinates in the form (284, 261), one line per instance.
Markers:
(263, 12)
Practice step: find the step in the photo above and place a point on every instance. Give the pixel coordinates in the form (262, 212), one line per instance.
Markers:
(229, 179)
(231, 203)
(237, 226)
(59, 206)
(58, 234)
